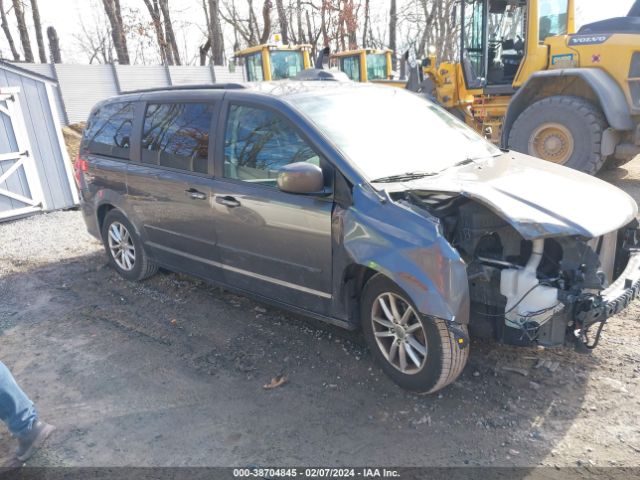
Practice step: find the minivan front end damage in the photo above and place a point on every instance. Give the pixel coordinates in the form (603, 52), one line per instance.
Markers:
(549, 290)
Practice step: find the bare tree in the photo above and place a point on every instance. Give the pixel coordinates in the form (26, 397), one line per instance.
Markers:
(7, 33)
(35, 12)
(18, 10)
(367, 19)
(166, 53)
(54, 45)
(114, 14)
(96, 41)
(284, 25)
(168, 28)
(215, 33)
(393, 27)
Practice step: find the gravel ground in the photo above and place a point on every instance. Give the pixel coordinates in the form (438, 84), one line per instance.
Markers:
(170, 372)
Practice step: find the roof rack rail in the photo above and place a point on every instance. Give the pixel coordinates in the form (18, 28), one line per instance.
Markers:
(202, 86)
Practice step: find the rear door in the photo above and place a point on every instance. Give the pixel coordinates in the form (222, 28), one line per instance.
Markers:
(169, 184)
(106, 146)
(272, 243)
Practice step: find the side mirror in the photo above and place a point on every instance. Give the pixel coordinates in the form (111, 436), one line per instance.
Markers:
(302, 178)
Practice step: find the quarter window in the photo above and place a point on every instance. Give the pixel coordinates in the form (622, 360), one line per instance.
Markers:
(176, 135)
(258, 143)
(109, 132)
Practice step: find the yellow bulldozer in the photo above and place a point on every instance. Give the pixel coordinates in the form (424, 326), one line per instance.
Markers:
(530, 82)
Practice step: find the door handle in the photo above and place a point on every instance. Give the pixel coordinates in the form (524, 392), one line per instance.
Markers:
(195, 194)
(228, 201)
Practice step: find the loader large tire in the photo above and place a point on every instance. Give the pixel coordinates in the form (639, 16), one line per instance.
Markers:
(432, 357)
(562, 129)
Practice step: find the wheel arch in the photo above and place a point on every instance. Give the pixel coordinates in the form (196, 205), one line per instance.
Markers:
(592, 84)
(102, 212)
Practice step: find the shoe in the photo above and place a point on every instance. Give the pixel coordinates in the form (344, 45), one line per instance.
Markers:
(33, 439)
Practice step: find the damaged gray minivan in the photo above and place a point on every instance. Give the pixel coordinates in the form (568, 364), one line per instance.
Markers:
(364, 206)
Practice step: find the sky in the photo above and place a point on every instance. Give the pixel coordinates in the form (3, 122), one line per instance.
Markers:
(67, 16)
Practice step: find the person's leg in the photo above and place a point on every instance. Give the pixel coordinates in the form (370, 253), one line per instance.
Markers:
(16, 410)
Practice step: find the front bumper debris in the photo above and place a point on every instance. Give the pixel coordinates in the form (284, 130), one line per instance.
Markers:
(611, 301)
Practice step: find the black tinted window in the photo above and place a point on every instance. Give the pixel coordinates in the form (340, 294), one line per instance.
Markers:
(109, 131)
(176, 135)
(258, 143)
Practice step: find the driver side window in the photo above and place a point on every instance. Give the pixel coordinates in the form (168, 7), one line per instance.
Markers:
(258, 143)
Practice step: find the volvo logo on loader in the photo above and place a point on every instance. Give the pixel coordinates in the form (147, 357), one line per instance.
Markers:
(588, 39)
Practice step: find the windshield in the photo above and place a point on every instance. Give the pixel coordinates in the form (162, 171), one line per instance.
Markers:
(376, 66)
(285, 64)
(386, 131)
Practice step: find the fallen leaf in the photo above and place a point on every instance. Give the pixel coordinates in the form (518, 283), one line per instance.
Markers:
(276, 382)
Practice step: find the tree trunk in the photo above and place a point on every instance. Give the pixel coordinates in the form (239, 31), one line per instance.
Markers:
(54, 45)
(393, 22)
(154, 11)
(7, 33)
(112, 9)
(22, 29)
(367, 11)
(38, 27)
(215, 33)
(284, 24)
(299, 19)
(266, 19)
(168, 28)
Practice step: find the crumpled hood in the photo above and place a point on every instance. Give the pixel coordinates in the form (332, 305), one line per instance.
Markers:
(538, 198)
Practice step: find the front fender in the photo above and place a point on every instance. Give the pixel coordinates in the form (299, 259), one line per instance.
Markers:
(411, 251)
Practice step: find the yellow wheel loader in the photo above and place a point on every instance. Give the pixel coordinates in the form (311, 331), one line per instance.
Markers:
(366, 65)
(531, 83)
(273, 61)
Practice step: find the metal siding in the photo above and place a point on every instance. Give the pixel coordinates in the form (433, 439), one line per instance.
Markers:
(185, 75)
(136, 77)
(83, 86)
(223, 75)
(47, 70)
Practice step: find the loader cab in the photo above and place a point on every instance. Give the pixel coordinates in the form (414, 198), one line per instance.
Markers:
(499, 38)
(364, 65)
(273, 61)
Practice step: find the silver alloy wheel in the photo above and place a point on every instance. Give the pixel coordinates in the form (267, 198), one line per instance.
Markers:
(121, 246)
(399, 334)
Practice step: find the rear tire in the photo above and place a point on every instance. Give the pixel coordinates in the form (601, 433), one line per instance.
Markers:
(442, 361)
(563, 129)
(124, 248)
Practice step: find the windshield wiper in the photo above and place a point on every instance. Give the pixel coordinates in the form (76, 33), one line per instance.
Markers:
(403, 176)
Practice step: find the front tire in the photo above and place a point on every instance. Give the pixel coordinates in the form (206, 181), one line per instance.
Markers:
(418, 354)
(562, 129)
(124, 248)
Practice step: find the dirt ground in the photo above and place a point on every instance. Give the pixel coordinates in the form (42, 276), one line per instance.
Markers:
(170, 372)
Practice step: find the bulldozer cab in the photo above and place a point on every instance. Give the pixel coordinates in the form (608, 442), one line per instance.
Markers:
(501, 39)
(364, 65)
(273, 61)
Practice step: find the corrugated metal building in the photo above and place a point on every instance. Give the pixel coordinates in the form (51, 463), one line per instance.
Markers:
(35, 171)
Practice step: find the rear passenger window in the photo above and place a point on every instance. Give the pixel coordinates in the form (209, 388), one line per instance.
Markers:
(258, 143)
(109, 131)
(176, 135)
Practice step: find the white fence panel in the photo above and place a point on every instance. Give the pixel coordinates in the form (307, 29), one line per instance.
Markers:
(137, 77)
(223, 75)
(83, 86)
(190, 75)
